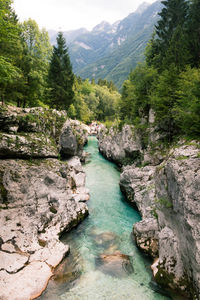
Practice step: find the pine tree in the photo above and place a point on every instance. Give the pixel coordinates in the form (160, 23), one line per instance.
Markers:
(194, 32)
(171, 26)
(61, 77)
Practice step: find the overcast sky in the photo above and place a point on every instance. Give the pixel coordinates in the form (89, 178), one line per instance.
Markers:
(73, 14)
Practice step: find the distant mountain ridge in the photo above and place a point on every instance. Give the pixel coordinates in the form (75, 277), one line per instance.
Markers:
(112, 51)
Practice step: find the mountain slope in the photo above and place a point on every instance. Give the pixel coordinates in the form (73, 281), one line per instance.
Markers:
(135, 31)
(112, 51)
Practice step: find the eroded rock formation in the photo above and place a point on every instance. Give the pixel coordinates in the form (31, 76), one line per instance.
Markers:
(165, 189)
(40, 197)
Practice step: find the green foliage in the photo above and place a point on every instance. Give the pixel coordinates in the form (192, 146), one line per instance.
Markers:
(9, 74)
(169, 43)
(135, 101)
(94, 102)
(168, 82)
(164, 99)
(34, 63)
(193, 32)
(163, 202)
(71, 111)
(9, 29)
(10, 49)
(187, 107)
(61, 77)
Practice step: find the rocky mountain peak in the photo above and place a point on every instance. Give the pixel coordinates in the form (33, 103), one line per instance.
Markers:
(141, 8)
(103, 26)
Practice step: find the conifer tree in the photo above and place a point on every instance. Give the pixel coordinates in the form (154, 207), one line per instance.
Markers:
(171, 26)
(194, 32)
(61, 77)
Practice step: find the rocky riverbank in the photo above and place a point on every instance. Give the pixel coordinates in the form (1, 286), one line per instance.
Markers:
(164, 185)
(41, 195)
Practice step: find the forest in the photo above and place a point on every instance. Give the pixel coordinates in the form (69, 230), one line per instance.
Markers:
(169, 80)
(33, 73)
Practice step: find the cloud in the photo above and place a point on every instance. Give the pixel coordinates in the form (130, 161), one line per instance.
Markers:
(73, 14)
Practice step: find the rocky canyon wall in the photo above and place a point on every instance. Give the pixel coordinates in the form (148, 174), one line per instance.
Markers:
(164, 185)
(42, 195)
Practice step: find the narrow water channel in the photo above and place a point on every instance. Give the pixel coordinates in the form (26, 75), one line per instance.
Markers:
(86, 274)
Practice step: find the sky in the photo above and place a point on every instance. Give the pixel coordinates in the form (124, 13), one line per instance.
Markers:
(67, 15)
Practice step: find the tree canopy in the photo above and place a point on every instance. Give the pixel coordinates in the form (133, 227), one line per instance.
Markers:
(168, 81)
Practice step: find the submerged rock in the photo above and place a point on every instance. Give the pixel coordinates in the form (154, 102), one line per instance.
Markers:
(107, 241)
(116, 264)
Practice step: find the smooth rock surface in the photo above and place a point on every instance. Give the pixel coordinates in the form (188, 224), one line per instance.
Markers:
(27, 284)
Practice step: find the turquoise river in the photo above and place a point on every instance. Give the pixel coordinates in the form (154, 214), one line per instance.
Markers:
(107, 229)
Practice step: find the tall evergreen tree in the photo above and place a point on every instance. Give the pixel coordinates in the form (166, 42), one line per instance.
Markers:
(61, 77)
(169, 43)
(194, 32)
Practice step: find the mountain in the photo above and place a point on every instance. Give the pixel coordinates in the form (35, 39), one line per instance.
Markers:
(70, 36)
(111, 51)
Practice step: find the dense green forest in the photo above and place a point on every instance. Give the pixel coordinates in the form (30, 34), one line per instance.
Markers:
(33, 73)
(169, 80)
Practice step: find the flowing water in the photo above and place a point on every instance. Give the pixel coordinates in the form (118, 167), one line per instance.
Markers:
(88, 273)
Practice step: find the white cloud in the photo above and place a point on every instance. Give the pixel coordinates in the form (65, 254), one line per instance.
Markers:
(74, 14)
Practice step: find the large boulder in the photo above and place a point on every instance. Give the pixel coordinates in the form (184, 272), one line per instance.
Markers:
(40, 196)
(73, 138)
(39, 200)
(121, 146)
(146, 236)
(30, 132)
(27, 145)
(138, 185)
(39, 133)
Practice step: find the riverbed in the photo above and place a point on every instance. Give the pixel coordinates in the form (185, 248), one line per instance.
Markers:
(83, 275)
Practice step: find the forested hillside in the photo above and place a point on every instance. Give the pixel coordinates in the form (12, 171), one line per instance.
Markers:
(169, 79)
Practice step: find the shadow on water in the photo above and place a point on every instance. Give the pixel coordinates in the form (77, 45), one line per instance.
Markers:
(104, 262)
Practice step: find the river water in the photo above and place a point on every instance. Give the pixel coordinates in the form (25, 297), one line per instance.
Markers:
(83, 275)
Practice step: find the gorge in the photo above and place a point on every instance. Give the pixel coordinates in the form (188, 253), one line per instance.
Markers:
(43, 195)
(104, 263)
(163, 183)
